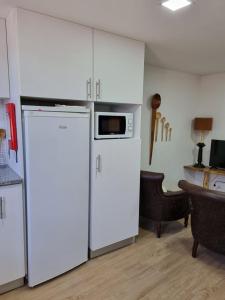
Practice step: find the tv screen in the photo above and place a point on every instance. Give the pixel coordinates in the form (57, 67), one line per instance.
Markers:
(217, 155)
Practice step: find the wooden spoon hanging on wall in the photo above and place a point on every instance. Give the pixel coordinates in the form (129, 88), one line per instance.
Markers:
(170, 134)
(156, 101)
(167, 126)
(2, 134)
(158, 116)
(163, 121)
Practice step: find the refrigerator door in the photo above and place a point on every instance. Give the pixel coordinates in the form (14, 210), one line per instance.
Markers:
(57, 192)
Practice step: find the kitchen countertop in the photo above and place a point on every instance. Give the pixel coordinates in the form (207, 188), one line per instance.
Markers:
(8, 176)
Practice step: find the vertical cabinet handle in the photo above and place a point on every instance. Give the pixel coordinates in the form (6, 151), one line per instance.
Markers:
(98, 164)
(98, 89)
(2, 208)
(89, 88)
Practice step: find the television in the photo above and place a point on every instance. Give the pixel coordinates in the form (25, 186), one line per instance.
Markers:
(217, 154)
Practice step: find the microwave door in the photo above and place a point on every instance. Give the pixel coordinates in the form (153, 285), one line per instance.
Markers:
(112, 126)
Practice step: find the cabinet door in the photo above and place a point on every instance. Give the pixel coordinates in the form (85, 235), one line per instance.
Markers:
(118, 68)
(4, 77)
(12, 260)
(55, 57)
(114, 191)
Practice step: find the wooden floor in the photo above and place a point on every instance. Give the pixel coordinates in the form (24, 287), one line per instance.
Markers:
(149, 269)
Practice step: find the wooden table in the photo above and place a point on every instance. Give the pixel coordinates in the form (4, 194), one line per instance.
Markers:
(206, 173)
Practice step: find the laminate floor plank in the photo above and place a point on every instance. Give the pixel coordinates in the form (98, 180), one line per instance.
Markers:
(150, 269)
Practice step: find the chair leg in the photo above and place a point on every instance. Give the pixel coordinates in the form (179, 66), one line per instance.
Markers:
(158, 229)
(186, 221)
(194, 249)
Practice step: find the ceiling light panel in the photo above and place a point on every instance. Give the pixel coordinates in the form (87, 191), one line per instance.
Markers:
(176, 4)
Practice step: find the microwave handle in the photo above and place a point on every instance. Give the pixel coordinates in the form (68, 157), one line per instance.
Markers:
(98, 164)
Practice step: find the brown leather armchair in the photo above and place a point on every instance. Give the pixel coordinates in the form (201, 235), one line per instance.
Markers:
(159, 206)
(207, 217)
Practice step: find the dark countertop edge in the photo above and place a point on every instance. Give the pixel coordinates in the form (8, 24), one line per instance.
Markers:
(11, 177)
(13, 182)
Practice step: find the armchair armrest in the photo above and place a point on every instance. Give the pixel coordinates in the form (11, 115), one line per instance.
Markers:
(175, 205)
(179, 194)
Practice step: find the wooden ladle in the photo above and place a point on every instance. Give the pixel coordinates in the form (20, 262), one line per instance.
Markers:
(2, 134)
(163, 121)
(158, 117)
(155, 104)
(167, 126)
(170, 134)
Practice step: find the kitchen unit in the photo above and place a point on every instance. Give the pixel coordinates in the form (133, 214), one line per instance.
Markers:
(63, 60)
(57, 189)
(59, 62)
(4, 75)
(12, 254)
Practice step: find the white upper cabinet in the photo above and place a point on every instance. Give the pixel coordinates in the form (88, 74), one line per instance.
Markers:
(4, 76)
(55, 57)
(59, 59)
(118, 68)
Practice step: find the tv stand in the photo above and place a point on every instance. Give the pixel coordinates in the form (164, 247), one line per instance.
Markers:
(207, 171)
(213, 168)
(216, 168)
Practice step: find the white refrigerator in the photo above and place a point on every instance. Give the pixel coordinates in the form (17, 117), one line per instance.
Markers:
(56, 142)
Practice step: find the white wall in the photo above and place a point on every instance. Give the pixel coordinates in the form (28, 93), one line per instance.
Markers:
(212, 104)
(180, 93)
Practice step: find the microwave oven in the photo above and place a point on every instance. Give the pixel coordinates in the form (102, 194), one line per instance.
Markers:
(110, 125)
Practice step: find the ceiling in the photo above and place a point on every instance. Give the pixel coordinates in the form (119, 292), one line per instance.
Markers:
(191, 40)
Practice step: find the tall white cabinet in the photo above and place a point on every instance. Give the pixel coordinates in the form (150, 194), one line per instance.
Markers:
(115, 177)
(55, 57)
(50, 58)
(12, 256)
(118, 68)
(4, 75)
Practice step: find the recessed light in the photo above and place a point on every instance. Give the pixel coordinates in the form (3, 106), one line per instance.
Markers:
(176, 4)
